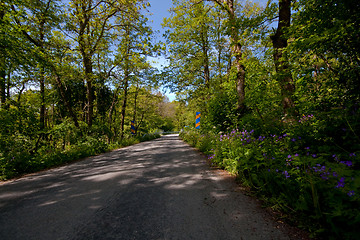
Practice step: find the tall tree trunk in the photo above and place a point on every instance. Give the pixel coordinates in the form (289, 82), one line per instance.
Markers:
(282, 67)
(41, 43)
(228, 6)
(2, 63)
(2, 80)
(126, 80)
(205, 49)
(116, 127)
(86, 54)
(90, 35)
(135, 107)
(8, 85)
(240, 68)
(42, 99)
(206, 62)
(90, 99)
(42, 78)
(112, 107)
(220, 48)
(123, 108)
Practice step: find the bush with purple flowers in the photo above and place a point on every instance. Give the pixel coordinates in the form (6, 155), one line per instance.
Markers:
(293, 172)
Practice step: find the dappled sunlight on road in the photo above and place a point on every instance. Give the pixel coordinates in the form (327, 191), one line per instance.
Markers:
(154, 189)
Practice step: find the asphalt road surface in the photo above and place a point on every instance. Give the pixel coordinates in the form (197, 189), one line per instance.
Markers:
(161, 189)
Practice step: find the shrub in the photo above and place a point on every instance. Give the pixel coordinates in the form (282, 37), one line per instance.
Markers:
(295, 172)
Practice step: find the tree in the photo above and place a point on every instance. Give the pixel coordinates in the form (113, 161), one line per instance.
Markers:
(327, 31)
(34, 29)
(12, 48)
(189, 46)
(280, 42)
(2, 56)
(92, 22)
(40, 22)
(130, 61)
(229, 7)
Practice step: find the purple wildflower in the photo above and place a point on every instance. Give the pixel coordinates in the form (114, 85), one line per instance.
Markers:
(335, 157)
(286, 174)
(351, 193)
(261, 138)
(324, 177)
(341, 183)
(347, 163)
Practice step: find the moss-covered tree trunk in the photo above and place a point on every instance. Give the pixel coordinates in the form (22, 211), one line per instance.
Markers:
(283, 74)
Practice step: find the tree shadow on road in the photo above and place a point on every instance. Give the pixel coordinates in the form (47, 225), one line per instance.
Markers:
(161, 189)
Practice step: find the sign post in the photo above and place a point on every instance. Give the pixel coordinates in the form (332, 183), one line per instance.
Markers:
(197, 122)
(133, 130)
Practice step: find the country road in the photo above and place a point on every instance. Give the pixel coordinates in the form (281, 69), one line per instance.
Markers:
(161, 189)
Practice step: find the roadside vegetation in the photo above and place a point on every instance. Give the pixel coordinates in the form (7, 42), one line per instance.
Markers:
(279, 102)
(65, 144)
(73, 75)
(298, 171)
(276, 82)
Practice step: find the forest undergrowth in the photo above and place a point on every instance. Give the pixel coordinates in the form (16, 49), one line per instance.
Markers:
(25, 153)
(305, 169)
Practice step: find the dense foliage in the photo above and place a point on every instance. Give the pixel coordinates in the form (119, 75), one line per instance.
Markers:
(73, 75)
(312, 183)
(294, 138)
(277, 85)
